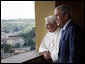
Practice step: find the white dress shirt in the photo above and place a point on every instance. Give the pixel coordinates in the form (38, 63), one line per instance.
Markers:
(51, 43)
(66, 24)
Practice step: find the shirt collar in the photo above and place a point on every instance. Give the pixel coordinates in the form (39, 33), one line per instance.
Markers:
(66, 24)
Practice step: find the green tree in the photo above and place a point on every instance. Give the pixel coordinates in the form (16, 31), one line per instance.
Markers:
(30, 39)
(6, 47)
(10, 50)
(32, 47)
(28, 42)
(32, 32)
(17, 45)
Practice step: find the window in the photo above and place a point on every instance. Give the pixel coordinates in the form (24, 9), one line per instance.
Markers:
(17, 27)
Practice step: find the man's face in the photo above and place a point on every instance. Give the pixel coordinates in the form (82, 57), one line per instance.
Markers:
(60, 19)
(51, 26)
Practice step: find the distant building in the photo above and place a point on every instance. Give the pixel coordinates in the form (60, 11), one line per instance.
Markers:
(3, 34)
(3, 39)
(18, 50)
(13, 40)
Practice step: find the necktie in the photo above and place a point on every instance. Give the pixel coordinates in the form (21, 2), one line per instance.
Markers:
(62, 33)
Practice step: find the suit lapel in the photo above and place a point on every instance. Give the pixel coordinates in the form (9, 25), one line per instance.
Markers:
(63, 36)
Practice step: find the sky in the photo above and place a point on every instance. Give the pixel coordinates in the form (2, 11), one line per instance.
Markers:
(17, 9)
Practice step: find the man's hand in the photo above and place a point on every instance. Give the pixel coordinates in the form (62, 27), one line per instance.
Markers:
(47, 55)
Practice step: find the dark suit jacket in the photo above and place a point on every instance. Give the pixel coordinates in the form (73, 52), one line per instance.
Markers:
(71, 45)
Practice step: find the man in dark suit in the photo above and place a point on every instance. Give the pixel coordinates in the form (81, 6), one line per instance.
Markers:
(70, 45)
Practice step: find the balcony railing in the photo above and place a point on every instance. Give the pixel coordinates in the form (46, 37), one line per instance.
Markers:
(29, 57)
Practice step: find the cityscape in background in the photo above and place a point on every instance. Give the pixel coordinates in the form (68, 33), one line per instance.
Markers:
(17, 27)
(17, 36)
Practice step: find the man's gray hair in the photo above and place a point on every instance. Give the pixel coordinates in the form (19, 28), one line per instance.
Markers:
(64, 9)
(50, 18)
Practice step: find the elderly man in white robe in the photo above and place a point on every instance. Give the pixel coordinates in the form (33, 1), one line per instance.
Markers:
(50, 44)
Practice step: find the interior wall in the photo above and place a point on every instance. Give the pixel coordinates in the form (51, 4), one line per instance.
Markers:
(77, 8)
(42, 10)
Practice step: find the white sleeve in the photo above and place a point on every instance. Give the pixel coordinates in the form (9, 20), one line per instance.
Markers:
(43, 46)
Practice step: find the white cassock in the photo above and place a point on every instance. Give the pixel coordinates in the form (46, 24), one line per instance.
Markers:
(51, 43)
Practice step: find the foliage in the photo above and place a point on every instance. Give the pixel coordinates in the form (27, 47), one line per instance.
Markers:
(8, 26)
(30, 39)
(7, 48)
(17, 45)
(26, 29)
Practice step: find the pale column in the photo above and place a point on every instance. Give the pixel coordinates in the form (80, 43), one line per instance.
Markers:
(42, 10)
